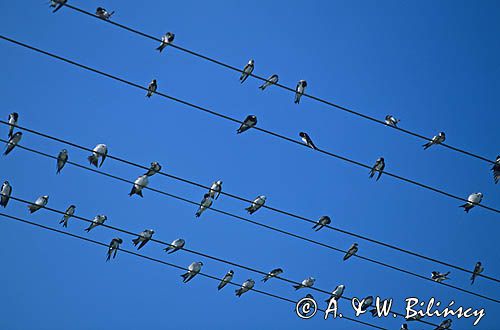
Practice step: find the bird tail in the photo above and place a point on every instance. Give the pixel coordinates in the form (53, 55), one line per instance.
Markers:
(372, 173)
(133, 191)
(186, 277)
(296, 287)
(250, 210)
(167, 249)
(239, 292)
(472, 278)
(427, 145)
(263, 86)
(93, 159)
(220, 286)
(109, 256)
(297, 98)
(88, 228)
(379, 175)
(265, 279)
(198, 213)
(136, 241)
(161, 47)
(319, 227)
(139, 192)
(32, 208)
(243, 78)
(467, 207)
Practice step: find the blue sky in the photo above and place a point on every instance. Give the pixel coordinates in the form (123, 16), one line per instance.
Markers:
(432, 64)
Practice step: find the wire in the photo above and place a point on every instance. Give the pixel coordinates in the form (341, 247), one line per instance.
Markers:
(260, 224)
(442, 192)
(51, 137)
(339, 107)
(170, 264)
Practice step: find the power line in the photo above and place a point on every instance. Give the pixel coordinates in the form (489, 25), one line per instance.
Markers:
(51, 137)
(442, 192)
(321, 100)
(380, 263)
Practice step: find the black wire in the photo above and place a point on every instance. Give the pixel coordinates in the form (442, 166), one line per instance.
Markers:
(170, 264)
(442, 192)
(260, 224)
(250, 201)
(359, 114)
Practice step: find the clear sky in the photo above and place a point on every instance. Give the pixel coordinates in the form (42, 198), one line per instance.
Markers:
(432, 64)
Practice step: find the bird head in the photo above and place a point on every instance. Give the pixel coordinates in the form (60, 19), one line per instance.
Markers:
(251, 62)
(119, 240)
(64, 151)
(231, 272)
(219, 182)
(45, 197)
(72, 206)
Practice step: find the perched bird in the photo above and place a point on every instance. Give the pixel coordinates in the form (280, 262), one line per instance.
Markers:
(390, 120)
(205, 203)
(153, 169)
(478, 269)
(337, 293)
(272, 273)
(352, 251)
(103, 13)
(114, 245)
(437, 139)
(13, 141)
(62, 158)
(68, 214)
(378, 167)
(13, 117)
(100, 150)
(152, 88)
(5, 193)
(143, 238)
(270, 81)
(215, 189)
(167, 39)
(366, 302)
(193, 270)
(98, 220)
(226, 279)
(39, 203)
(249, 122)
(57, 4)
(299, 90)
(439, 277)
(414, 318)
(446, 324)
(404, 326)
(496, 170)
(139, 184)
(175, 245)
(256, 204)
(247, 70)
(246, 286)
(323, 221)
(473, 200)
(307, 283)
(307, 140)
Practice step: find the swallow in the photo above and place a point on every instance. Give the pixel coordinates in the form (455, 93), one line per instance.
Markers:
(247, 70)
(62, 158)
(270, 81)
(272, 273)
(205, 203)
(57, 4)
(352, 251)
(167, 39)
(13, 141)
(496, 170)
(337, 293)
(39, 203)
(68, 214)
(446, 324)
(193, 270)
(378, 167)
(139, 184)
(114, 245)
(103, 13)
(478, 269)
(98, 220)
(153, 169)
(249, 122)
(100, 150)
(437, 139)
(215, 189)
(366, 302)
(473, 200)
(323, 221)
(143, 238)
(390, 120)
(439, 277)
(175, 245)
(13, 118)
(299, 90)
(307, 283)
(152, 88)
(246, 286)
(226, 279)
(307, 140)
(256, 204)
(5, 193)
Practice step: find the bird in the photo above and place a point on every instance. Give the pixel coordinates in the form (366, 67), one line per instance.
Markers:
(100, 150)
(352, 251)
(193, 270)
(247, 70)
(205, 203)
(439, 277)
(98, 220)
(272, 273)
(337, 293)
(323, 221)
(154, 168)
(5, 193)
(39, 203)
(139, 184)
(103, 13)
(226, 279)
(13, 118)
(215, 189)
(57, 4)
(446, 324)
(270, 81)
(143, 238)
(366, 302)
(152, 88)
(473, 200)
(299, 90)
(437, 139)
(13, 141)
(378, 167)
(114, 245)
(307, 140)
(256, 204)
(404, 326)
(390, 120)
(246, 286)
(478, 269)
(249, 122)
(496, 170)
(166, 39)
(175, 245)
(307, 283)
(62, 158)
(68, 214)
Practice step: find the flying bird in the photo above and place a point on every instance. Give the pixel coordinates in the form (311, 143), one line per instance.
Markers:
(496, 170)
(478, 269)
(143, 238)
(439, 277)
(270, 81)
(272, 273)
(193, 270)
(226, 279)
(307, 283)
(57, 4)
(62, 158)
(5, 193)
(139, 184)
(215, 189)
(114, 245)
(366, 302)
(390, 120)
(352, 251)
(299, 90)
(205, 203)
(98, 220)
(68, 214)
(249, 122)
(473, 200)
(307, 140)
(39, 203)
(175, 245)
(153, 169)
(100, 151)
(378, 167)
(167, 39)
(152, 88)
(13, 117)
(13, 141)
(256, 204)
(246, 286)
(337, 293)
(247, 70)
(103, 13)
(437, 139)
(446, 324)
(323, 221)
